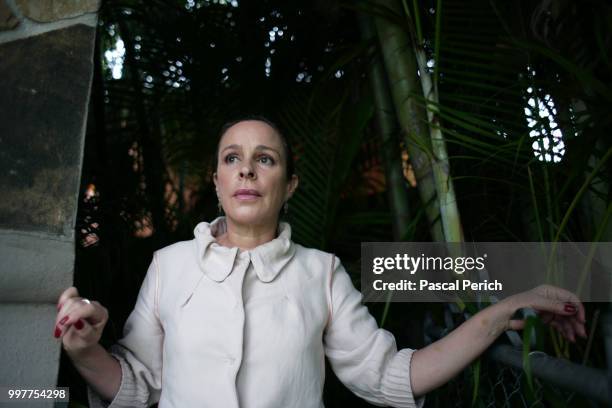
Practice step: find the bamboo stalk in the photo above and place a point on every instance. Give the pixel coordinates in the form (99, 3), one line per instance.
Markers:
(386, 123)
(449, 212)
(400, 66)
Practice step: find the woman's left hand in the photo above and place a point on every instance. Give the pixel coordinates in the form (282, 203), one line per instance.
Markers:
(555, 306)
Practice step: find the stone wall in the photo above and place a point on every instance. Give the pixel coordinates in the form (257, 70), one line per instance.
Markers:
(46, 68)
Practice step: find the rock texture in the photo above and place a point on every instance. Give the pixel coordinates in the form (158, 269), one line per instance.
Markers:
(43, 104)
(8, 21)
(52, 10)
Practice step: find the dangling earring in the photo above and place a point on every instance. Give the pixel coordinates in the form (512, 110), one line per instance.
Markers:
(219, 206)
(286, 207)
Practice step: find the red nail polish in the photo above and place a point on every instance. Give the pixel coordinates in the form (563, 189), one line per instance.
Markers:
(57, 332)
(64, 320)
(569, 308)
(79, 324)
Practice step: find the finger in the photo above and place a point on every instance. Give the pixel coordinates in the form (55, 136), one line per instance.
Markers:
(573, 303)
(557, 298)
(68, 306)
(558, 324)
(63, 312)
(568, 330)
(70, 329)
(562, 308)
(79, 330)
(516, 324)
(579, 315)
(67, 294)
(578, 326)
(560, 294)
(75, 309)
(93, 312)
(552, 305)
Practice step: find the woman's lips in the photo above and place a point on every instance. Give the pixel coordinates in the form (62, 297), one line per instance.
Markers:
(247, 195)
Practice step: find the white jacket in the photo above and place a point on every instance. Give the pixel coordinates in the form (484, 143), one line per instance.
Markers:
(219, 327)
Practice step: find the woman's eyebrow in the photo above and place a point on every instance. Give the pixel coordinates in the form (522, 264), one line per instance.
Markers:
(232, 146)
(259, 147)
(264, 147)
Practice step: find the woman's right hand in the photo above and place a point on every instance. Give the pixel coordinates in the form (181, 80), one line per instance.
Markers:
(79, 322)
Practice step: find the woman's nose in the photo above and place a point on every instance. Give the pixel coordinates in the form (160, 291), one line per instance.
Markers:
(247, 172)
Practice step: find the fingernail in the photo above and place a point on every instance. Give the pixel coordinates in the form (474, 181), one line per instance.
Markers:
(569, 308)
(79, 324)
(57, 332)
(64, 320)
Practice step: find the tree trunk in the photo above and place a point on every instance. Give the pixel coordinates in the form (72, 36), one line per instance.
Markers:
(449, 211)
(386, 124)
(400, 65)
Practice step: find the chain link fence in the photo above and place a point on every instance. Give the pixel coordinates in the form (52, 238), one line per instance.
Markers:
(501, 386)
(498, 379)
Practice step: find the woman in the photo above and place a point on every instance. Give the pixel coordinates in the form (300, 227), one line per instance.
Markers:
(242, 316)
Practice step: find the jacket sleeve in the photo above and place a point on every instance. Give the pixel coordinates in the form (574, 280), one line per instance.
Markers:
(364, 357)
(139, 351)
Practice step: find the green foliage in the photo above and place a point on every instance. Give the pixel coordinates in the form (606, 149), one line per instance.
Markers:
(476, 382)
(528, 332)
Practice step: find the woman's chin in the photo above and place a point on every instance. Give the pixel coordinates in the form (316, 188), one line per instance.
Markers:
(247, 216)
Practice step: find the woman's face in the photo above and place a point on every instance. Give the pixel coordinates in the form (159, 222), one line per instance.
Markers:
(251, 178)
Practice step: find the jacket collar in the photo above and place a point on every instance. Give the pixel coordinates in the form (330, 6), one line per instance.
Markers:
(217, 261)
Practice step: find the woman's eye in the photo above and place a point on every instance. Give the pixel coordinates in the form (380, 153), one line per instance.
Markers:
(266, 160)
(230, 158)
